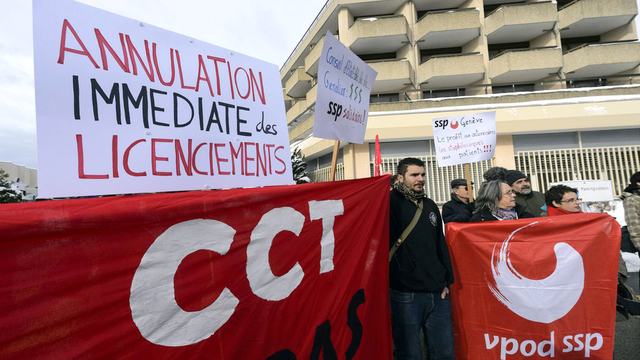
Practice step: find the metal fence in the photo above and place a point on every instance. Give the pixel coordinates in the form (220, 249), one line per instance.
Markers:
(323, 174)
(543, 166)
(597, 163)
(438, 180)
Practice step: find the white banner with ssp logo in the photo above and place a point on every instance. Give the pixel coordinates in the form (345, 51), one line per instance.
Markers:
(465, 139)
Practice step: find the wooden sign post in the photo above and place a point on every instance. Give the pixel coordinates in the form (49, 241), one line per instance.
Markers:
(334, 160)
(467, 175)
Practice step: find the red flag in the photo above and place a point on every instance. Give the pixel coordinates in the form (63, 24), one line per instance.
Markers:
(535, 288)
(378, 159)
(281, 272)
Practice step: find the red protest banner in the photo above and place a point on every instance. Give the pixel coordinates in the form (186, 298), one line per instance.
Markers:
(286, 272)
(535, 288)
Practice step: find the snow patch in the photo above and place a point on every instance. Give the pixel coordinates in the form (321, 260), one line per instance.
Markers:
(596, 110)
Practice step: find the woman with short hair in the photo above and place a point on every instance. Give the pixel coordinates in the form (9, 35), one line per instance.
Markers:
(497, 201)
(562, 200)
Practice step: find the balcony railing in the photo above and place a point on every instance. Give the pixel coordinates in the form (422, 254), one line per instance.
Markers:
(324, 174)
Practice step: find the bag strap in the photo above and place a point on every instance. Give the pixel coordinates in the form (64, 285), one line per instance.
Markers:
(406, 231)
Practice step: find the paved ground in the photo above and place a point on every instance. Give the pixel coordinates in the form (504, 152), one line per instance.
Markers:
(627, 341)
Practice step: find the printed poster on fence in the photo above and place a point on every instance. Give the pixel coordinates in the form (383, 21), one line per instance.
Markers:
(590, 190)
(541, 288)
(282, 272)
(465, 139)
(126, 107)
(344, 88)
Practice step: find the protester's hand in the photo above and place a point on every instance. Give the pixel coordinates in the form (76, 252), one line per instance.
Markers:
(445, 291)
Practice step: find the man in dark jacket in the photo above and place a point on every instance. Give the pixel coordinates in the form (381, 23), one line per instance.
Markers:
(458, 209)
(420, 271)
(531, 201)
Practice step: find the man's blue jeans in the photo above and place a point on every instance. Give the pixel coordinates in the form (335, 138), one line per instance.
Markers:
(411, 312)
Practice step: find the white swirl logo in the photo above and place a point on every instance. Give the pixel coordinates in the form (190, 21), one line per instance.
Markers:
(545, 300)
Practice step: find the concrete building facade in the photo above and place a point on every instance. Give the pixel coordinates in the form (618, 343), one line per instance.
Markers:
(22, 178)
(562, 76)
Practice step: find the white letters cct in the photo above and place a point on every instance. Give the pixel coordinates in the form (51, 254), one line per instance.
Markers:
(327, 211)
(261, 279)
(153, 306)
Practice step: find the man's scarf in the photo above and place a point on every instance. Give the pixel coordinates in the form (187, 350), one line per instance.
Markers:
(410, 194)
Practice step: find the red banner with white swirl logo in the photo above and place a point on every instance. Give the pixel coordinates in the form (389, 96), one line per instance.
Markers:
(535, 288)
(289, 272)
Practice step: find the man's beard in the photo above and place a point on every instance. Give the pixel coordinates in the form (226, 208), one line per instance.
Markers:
(525, 191)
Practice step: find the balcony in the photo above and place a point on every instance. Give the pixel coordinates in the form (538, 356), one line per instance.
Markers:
(287, 100)
(312, 95)
(393, 75)
(451, 71)
(383, 34)
(298, 84)
(599, 60)
(445, 29)
(525, 65)
(520, 22)
(296, 109)
(595, 17)
(311, 61)
(423, 5)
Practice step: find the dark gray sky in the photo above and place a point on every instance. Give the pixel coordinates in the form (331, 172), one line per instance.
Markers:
(264, 29)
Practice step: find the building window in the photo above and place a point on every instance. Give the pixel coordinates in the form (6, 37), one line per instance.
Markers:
(380, 98)
(572, 84)
(426, 54)
(572, 43)
(372, 16)
(381, 56)
(495, 49)
(431, 94)
(563, 3)
(499, 89)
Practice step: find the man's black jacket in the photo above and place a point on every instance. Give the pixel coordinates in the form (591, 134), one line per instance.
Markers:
(422, 263)
(456, 211)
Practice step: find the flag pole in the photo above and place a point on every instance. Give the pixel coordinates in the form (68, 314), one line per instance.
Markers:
(377, 164)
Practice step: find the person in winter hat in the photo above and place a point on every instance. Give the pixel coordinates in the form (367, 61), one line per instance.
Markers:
(532, 201)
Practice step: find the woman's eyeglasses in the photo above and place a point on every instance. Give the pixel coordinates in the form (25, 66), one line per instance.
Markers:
(571, 201)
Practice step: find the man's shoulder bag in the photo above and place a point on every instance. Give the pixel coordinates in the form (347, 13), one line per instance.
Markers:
(406, 231)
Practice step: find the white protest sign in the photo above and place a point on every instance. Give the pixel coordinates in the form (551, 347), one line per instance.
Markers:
(125, 107)
(465, 139)
(344, 88)
(591, 190)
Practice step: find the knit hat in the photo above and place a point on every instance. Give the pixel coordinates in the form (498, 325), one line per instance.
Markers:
(513, 176)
